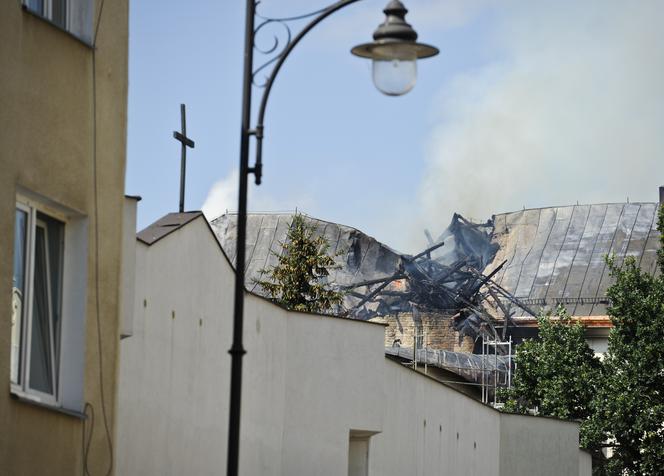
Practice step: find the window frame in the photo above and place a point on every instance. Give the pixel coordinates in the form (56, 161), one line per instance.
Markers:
(47, 13)
(22, 387)
(69, 335)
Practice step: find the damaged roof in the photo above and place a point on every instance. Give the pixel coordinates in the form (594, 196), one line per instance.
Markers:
(532, 259)
(361, 257)
(556, 255)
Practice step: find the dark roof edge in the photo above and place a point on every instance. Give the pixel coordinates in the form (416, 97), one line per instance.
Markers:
(318, 220)
(142, 235)
(575, 205)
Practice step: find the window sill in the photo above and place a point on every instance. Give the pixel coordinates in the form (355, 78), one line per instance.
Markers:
(56, 26)
(24, 398)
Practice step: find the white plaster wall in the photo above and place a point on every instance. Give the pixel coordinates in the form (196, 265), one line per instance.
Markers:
(422, 420)
(173, 395)
(307, 379)
(307, 382)
(263, 389)
(600, 345)
(334, 384)
(538, 445)
(585, 464)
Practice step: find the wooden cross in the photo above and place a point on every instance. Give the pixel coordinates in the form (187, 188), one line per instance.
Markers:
(186, 142)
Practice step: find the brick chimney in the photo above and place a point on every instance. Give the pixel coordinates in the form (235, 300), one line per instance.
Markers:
(661, 194)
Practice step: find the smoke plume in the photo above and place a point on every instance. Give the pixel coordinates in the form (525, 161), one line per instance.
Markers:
(572, 110)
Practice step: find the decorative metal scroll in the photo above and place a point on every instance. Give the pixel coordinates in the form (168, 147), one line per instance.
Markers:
(281, 39)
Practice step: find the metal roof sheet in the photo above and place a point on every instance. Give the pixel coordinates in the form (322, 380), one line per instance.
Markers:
(553, 255)
(360, 256)
(556, 255)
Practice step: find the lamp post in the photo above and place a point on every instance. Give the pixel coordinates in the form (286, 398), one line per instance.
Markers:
(394, 53)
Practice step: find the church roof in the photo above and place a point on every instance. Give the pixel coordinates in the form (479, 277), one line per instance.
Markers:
(556, 255)
(360, 256)
(552, 255)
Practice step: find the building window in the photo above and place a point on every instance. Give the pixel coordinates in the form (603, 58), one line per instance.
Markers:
(36, 302)
(53, 10)
(49, 292)
(74, 16)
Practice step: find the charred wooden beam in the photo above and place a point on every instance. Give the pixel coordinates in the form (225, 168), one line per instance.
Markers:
(369, 282)
(513, 299)
(485, 279)
(427, 251)
(369, 296)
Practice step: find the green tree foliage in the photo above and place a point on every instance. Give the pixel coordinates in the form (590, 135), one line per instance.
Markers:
(631, 401)
(296, 281)
(557, 374)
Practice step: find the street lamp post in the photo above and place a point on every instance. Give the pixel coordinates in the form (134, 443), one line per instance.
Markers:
(393, 52)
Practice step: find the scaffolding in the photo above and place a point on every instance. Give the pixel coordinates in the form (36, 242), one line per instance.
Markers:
(491, 377)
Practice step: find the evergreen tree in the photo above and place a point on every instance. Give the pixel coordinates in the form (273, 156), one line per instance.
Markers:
(296, 282)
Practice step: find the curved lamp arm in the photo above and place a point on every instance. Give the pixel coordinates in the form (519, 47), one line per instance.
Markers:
(279, 60)
(391, 40)
(237, 350)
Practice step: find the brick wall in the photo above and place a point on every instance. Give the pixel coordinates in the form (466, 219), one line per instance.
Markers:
(433, 329)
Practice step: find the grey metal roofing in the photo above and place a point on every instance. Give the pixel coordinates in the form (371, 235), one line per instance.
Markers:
(166, 225)
(361, 257)
(553, 255)
(556, 255)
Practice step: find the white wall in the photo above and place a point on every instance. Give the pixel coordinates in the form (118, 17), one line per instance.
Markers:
(173, 397)
(600, 345)
(422, 421)
(585, 464)
(307, 382)
(555, 442)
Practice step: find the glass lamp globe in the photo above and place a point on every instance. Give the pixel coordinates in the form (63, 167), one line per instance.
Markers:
(394, 52)
(394, 77)
(394, 68)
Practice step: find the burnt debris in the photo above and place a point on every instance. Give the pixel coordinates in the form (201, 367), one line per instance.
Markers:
(445, 278)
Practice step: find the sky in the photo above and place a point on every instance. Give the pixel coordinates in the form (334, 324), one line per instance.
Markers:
(528, 104)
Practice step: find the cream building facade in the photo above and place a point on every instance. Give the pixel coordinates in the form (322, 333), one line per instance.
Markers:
(319, 395)
(63, 106)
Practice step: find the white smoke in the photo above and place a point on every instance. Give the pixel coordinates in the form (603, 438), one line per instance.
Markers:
(223, 197)
(573, 110)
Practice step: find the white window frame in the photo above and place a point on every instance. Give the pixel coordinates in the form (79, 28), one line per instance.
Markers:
(68, 366)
